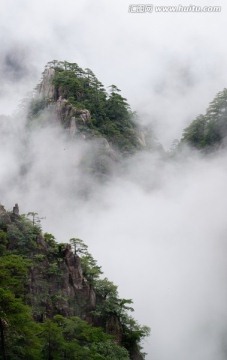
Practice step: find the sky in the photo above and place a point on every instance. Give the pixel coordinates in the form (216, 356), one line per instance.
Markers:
(157, 227)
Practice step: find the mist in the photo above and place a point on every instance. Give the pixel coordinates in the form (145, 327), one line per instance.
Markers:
(157, 225)
(169, 66)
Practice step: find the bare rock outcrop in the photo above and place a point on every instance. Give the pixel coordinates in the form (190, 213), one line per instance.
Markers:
(46, 88)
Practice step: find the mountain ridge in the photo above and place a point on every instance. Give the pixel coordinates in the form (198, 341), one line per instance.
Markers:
(56, 284)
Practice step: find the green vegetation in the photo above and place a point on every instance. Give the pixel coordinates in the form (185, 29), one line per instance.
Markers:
(210, 130)
(111, 116)
(72, 338)
(46, 311)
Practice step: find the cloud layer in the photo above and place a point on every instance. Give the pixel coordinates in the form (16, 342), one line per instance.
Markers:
(157, 226)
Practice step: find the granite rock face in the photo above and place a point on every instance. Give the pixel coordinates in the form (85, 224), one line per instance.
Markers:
(56, 284)
(63, 287)
(69, 116)
(46, 88)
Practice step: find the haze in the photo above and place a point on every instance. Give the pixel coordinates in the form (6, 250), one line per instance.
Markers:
(158, 226)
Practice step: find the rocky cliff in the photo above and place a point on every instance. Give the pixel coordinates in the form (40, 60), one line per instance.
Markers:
(83, 107)
(59, 282)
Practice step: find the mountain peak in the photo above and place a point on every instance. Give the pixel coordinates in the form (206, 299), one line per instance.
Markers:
(83, 106)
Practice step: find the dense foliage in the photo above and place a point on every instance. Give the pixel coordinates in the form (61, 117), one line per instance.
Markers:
(31, 324)
(111, 116)
(209, 130)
